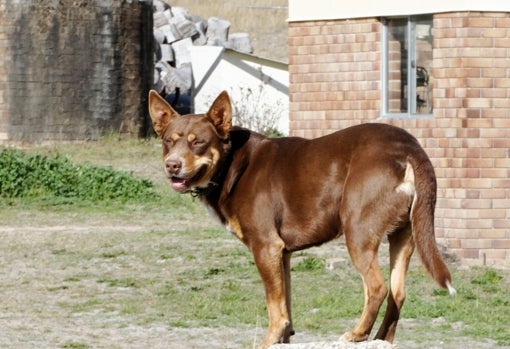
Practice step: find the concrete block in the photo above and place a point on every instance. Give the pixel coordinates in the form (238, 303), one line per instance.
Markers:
(200, 39)
(217, 30)
(159, 35)
(240, 42)
(170, 35)
(182, 52)
(159, 19)
(178, 11)
(184, 26)
(167, 53)
(168, 14)
(159, 6)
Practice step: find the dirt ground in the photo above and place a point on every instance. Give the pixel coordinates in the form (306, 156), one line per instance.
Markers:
(32, 294)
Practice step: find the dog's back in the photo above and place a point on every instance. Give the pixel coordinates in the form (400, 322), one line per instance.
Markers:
(304, 180)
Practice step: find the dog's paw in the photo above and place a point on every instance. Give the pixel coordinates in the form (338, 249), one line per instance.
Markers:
(352, 337)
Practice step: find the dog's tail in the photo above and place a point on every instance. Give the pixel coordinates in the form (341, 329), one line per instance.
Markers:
(422, 219)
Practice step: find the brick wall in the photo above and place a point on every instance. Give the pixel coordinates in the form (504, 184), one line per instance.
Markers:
(73, 69)
(335, 83)
(334, 72)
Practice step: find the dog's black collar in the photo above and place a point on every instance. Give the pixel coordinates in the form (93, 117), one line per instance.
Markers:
(200, 191)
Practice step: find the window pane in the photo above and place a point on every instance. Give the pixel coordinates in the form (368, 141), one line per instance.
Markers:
(408, 63)
(423, 66)
(397, 65)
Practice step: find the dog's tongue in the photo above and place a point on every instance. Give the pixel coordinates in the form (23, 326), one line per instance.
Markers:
(179, 184)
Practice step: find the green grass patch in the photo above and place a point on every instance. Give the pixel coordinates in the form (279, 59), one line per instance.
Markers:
(310, 263)
(57, 180)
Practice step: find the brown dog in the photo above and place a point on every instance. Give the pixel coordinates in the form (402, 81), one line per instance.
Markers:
(286, 194)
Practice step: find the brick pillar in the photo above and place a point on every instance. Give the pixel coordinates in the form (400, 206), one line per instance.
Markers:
(5, 62)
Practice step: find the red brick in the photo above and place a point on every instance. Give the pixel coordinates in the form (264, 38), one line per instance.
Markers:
(502, 22)
(501, 123)
(478, 224)
(493, 153)
(480, 62)
(502, 42)
(501, 103)
(483, 42)
(486, 22)
(502, 163)
(494, 32)
(494, 173)
(495, 254)
(502, 183)
(502, 244)
(468, 253)
(476, 243)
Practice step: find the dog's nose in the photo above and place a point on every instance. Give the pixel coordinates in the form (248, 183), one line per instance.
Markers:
(173, 165)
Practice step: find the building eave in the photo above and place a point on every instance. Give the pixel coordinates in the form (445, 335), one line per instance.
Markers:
(300, 10)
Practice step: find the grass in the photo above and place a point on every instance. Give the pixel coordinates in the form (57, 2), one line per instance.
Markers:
(57, 179)
(163, 261)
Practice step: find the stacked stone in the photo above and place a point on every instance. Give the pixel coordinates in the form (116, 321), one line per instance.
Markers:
(175, 31)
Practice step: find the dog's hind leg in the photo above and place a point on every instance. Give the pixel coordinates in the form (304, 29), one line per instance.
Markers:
(364, 257)
(401, 249)
(269, 258)
(365, 220)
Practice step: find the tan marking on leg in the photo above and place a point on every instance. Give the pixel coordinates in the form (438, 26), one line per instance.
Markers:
(234, 227)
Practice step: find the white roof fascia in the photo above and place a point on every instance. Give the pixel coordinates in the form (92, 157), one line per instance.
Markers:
(301, 10)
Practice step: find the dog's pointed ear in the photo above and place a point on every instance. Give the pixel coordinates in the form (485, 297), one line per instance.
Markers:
(220, 114)
(160, 111)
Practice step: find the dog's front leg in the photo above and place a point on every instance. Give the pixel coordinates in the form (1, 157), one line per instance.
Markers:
(288, 297)
(270, 263)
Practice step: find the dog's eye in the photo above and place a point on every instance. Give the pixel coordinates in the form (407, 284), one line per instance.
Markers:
(198, 143)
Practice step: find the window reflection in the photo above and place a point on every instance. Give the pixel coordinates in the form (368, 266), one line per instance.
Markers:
(409, 63)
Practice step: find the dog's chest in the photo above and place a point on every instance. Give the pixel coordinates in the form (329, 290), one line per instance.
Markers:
(231, 223)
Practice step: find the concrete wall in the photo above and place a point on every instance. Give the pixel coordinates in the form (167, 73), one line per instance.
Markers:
(258, 87)
(335, 82)
(73, 69)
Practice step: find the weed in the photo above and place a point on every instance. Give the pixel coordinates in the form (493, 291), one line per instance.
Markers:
(74, 345)
(113, 254)
(213, 272)
(310, 264)
(124, 283)
(489, 280)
